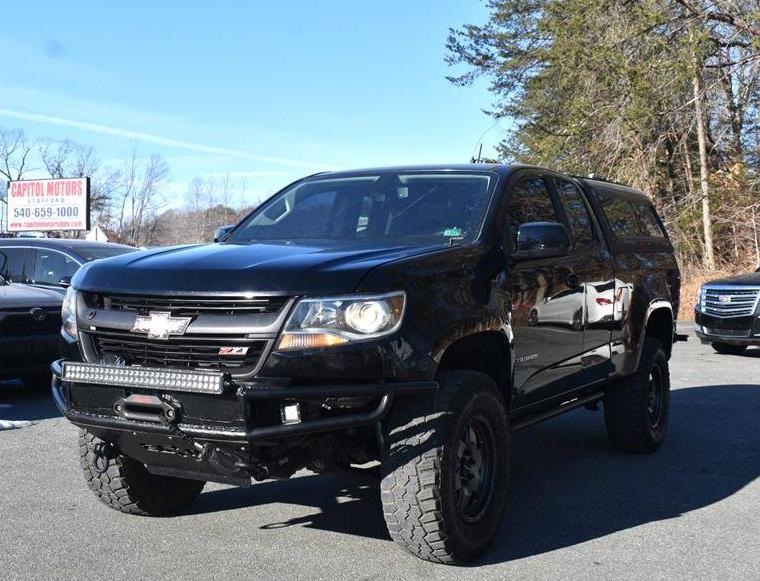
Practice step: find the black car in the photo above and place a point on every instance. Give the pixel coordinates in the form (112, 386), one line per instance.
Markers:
(51, 262)
(30, 324)
(726, 313)
(375, 324)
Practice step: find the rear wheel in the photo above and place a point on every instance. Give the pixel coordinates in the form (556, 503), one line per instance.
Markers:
(726, 349)
(446, 470)
(126, 485)
(637, 408)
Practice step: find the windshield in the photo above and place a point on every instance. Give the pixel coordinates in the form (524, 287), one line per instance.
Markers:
(406, 208)
(90, 253)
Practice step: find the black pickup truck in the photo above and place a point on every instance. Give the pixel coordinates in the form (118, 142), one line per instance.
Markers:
(394, 324)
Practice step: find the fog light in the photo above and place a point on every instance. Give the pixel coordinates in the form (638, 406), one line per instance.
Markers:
(291, 413)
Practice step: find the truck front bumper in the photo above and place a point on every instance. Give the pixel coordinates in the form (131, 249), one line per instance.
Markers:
(732, 331)
(247, 396)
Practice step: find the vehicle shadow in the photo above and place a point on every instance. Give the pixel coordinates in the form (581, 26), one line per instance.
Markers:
(569, 485)
(19, 402)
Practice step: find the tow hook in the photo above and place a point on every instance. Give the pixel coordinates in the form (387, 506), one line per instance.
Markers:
(104, 451)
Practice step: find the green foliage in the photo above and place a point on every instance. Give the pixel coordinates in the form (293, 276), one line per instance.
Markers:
(605, 87)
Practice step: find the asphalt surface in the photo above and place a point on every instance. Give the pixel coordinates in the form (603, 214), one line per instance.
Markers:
(578, 509)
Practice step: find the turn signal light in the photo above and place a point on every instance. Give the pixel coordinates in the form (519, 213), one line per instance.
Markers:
(310, 341)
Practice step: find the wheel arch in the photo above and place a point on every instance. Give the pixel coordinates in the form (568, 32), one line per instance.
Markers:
(489, 352)
(659, 323)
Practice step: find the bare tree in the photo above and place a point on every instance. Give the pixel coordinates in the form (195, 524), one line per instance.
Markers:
(15, 154)
(16, 151)
(68, 159)
(138, 197)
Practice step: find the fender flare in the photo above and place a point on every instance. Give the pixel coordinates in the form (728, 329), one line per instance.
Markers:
(654, 305)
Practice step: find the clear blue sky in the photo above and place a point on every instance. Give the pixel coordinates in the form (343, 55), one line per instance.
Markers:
(268, 90)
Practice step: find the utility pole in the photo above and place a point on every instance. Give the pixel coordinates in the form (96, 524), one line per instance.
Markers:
(704, 171)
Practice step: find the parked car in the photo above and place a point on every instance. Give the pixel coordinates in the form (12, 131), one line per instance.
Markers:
(30, 324)
(587, 303)
(372, 316)
(726, 313)
(51, 262)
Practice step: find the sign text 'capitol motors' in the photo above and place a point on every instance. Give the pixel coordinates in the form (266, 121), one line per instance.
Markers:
(44, 205)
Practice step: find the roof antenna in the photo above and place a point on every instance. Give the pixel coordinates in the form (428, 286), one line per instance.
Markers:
(480, 142)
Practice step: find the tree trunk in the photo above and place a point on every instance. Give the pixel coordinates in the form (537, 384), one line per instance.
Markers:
(704, 171)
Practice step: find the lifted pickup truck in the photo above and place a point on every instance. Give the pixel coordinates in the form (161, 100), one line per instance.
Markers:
(394, 324)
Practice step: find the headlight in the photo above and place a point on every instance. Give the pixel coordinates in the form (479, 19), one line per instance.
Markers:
(69, 314)
(698, 303)
(327, 322)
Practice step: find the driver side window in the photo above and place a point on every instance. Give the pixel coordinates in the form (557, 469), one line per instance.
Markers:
(52, 266)
(530, 202)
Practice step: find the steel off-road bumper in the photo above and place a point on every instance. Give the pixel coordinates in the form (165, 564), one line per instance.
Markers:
(250, 434)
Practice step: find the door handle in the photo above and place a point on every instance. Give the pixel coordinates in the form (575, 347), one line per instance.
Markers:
(573, 280)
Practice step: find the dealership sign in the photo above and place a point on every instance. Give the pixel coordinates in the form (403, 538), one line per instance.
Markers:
(44, 205)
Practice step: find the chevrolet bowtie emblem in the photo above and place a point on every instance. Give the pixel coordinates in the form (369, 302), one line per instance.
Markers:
(160, 325)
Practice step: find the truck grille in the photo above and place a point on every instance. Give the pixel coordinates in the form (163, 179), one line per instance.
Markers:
(187, 351)
(187, 306)
(729, 302)
(20, 324)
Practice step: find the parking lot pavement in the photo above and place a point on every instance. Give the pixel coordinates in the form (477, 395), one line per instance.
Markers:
(578, 509)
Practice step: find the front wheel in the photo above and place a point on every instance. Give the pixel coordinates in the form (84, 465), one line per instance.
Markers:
(726, 349)
(446, 470)
(637, 407)
(125, 484)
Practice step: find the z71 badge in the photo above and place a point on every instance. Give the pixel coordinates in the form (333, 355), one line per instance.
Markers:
(233, 350)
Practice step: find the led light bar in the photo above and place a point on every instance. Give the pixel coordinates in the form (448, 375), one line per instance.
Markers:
(146, 377)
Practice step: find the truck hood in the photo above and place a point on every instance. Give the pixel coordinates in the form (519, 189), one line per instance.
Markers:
(752, 278)
(19, 296)
(239, 268)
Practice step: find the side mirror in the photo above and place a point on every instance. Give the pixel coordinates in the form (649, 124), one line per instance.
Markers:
(221, 233)
(541, 240)
(65, 281)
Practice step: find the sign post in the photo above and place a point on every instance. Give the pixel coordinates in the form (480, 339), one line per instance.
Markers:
(45, 205)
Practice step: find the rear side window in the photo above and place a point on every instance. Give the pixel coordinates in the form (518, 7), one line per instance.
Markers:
(649, 222)
(621, 217)
(631, 219)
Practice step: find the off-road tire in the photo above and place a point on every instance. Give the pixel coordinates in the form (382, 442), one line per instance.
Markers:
(418, 491)
(627, 403)
(726, 349)
(125, 484)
